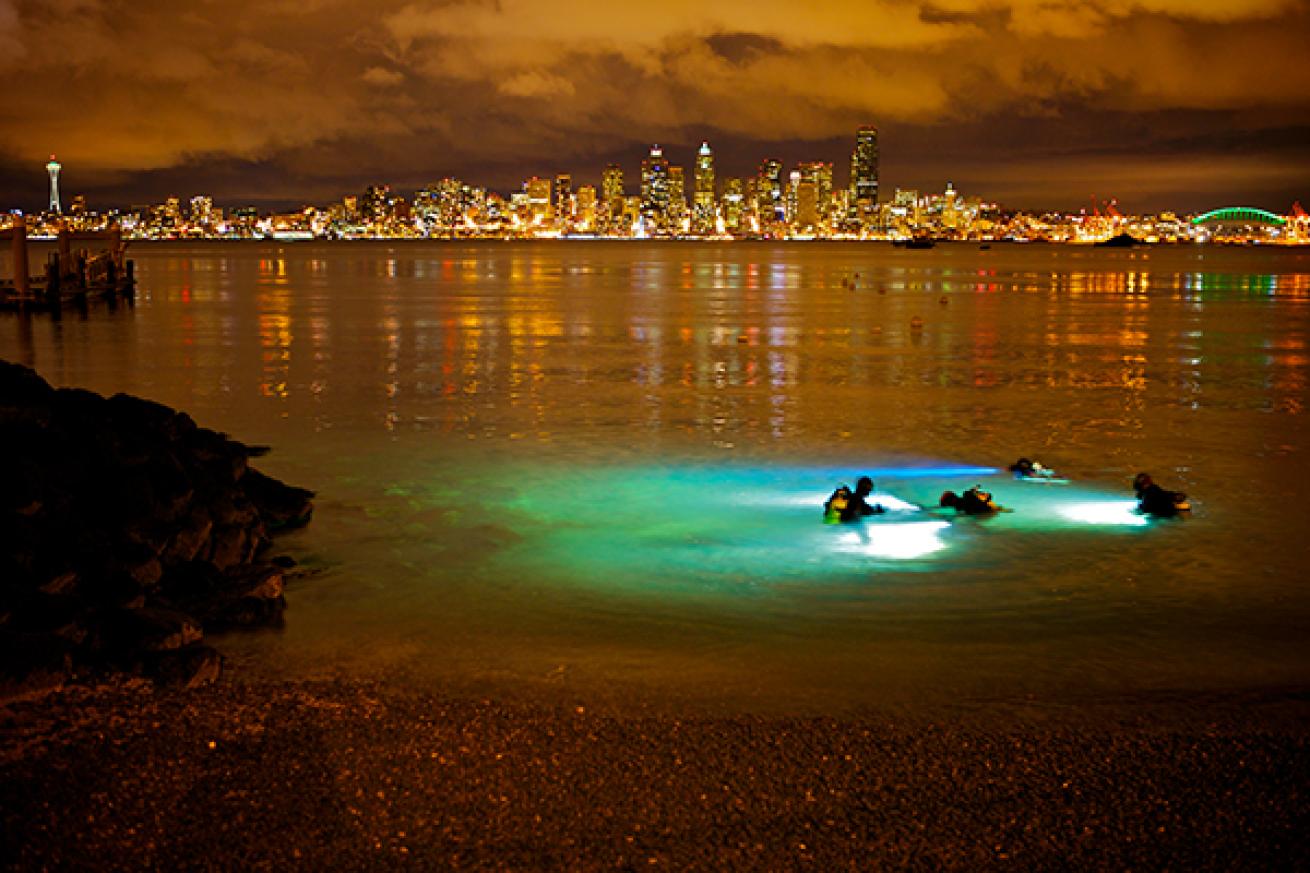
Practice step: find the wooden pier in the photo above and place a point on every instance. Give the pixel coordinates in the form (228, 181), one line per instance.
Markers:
(71, 279)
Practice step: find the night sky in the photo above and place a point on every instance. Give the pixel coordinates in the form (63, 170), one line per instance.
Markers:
(1185, 104)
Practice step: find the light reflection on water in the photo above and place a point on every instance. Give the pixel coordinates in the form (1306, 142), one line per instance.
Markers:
(570, 468)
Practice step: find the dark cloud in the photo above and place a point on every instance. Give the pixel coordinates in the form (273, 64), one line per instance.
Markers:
(283, 101)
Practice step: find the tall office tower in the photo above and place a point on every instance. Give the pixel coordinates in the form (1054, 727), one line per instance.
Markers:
(375, 205)
(769, 194)
(53, 169)
(677, 199)
(864, 174)
(563, 198)
(586, 212)
(611, 188)
(811, 195)
(538, 191)
(201, 210)
(790, 195)
(702, 214)
(655, 190)
(733, 205)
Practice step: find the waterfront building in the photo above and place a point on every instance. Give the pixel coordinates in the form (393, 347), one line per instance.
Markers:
(703, 212)
(864, 174)
(655, 190)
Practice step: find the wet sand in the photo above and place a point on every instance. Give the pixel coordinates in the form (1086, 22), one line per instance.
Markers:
(322, 776)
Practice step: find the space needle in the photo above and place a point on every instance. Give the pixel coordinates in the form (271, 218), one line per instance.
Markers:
(53, 169)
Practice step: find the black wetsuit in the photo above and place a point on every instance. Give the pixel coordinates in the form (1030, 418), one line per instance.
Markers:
(1154, 500)
(858, 508)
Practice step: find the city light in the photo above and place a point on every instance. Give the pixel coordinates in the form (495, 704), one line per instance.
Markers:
(775, 202)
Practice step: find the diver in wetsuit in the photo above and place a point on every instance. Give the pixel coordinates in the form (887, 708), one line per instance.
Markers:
(975, 501)
(1026, 468)
(859, 506)
(845, 506)
(835, 507)
(1157, 501)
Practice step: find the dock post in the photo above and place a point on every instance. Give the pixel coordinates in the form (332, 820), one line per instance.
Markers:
(65, 248)
(19, 237)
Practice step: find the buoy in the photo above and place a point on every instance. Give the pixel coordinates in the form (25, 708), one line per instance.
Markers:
(942, 301)
(916, 323)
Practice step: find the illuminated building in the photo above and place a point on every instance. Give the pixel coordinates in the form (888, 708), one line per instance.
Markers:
(864, 174)
(78, 206)
(733, 205)
(586, 212)
(655, 190)
(538, 191)
(375, 205)
(768, 193)
(53, 169)
(703, 213)
(611, 191)
(677, 200)
(201, 211)
(563, 199)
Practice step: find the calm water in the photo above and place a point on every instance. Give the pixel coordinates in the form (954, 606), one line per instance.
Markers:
(593, 471)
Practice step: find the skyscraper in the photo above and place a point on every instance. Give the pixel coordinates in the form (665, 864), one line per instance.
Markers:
(733, 205)
(53, 169)
(563, 198)
(769, 193)
(702, 215)
(538, 191)
(677, 199)
(864, 174)
(611, 192)
(655, 189)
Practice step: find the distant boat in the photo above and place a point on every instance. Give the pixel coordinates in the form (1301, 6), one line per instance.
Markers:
(920, 242)
(1122, 241)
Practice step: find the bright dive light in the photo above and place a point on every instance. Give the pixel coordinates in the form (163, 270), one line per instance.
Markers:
(901, 540)
(888, 502)
(1105, 512)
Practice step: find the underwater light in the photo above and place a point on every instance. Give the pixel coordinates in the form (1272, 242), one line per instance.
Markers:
(1105, 512)
(817, 499)
(902, 540)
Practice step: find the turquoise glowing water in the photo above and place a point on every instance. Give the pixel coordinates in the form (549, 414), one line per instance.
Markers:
(594, 472)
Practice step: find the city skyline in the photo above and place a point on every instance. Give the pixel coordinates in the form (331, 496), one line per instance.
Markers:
(1161, 104)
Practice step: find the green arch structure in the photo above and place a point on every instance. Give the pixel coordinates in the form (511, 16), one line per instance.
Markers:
(1240, 215)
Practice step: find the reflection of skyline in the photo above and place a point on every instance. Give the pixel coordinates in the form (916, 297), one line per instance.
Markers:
(756, 344)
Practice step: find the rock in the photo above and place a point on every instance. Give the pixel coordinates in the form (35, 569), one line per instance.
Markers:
(247, 596)
(21, 387)
(189, 539)
(124, 633)
(281, 506)
(188, 667)
(125, 529)
(231, 546)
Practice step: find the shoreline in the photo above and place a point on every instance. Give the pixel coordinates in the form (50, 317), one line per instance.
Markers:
(355, 775)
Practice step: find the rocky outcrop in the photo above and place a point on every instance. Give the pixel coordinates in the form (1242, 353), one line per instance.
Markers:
(127, 532)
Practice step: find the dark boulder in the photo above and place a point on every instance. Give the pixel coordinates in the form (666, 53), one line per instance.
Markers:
(125, 531)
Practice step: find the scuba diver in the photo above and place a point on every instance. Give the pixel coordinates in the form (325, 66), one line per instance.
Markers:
(1157, 501)
(859, 506)
(975, 501)
(836, 505)
(1025, 468)
(844, 505)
